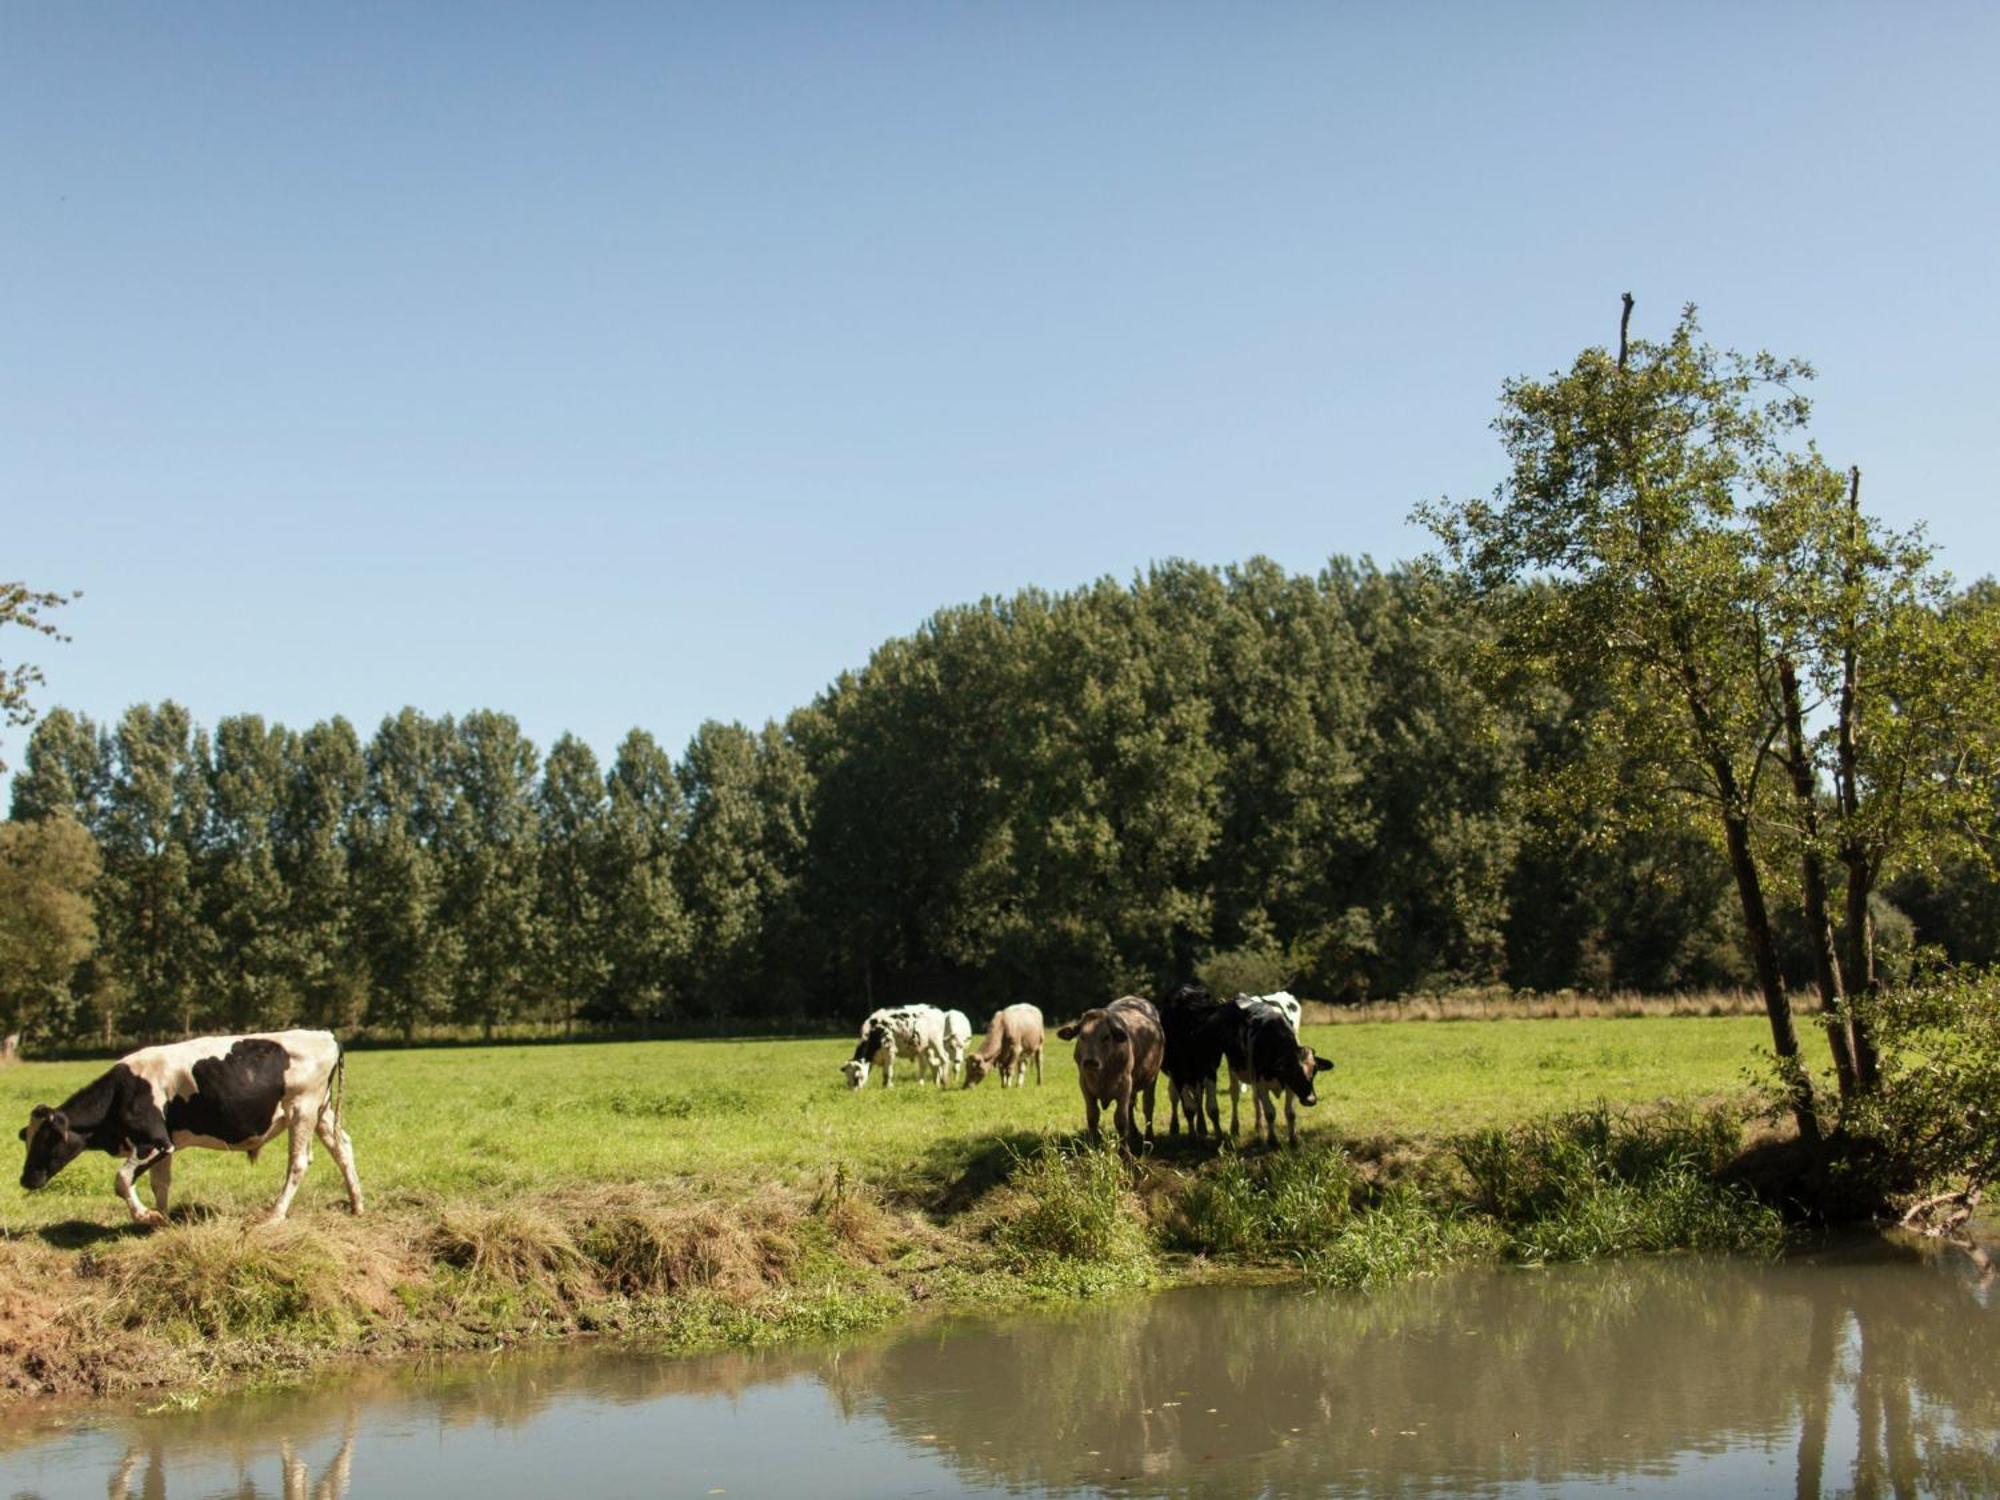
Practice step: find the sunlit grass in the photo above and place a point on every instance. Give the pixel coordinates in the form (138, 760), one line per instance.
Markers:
(483, 1122)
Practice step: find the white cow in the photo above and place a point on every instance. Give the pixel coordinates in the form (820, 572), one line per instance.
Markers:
(913, 1031)
(1282, 1003)
(957, 1042)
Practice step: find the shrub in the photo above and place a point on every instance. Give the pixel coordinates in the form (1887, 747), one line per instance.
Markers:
(1074, 1206)
(1593, 1183)
(1931, 1128)
(1399, 1237)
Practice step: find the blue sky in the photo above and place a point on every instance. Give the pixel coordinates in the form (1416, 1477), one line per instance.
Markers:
(617, 365)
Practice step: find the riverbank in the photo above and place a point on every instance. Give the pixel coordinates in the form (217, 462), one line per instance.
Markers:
(700, 1194)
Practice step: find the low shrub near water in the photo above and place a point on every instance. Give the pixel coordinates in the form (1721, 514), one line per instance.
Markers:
(1073, 1205)
(1593, 1183)
(1399, 1237)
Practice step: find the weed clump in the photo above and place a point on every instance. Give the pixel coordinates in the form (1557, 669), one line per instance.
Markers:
(1397, 1238)
(214, 1282)
(1072, 1207)
(1593, 1183)
(1282, 1205)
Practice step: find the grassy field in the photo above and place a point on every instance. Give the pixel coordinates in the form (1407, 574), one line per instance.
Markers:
(696, 1193)
(483, 1123)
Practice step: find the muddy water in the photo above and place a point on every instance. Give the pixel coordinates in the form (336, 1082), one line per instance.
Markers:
(1863, 1372)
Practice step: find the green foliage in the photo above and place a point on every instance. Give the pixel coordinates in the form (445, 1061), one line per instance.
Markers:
(1276, 1206)
(1397, 1238)
(46, 924)
(1594, 1182)
(24, 607)
(1074, 1205)
(1932, 1126)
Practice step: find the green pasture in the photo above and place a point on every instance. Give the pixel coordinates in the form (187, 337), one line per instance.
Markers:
(723, 1117)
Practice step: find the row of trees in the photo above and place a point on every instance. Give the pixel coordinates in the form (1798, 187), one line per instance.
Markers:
(1673, 716)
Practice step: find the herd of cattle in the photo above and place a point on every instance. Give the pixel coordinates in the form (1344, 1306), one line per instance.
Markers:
(238, 1093)
(1122, 1050)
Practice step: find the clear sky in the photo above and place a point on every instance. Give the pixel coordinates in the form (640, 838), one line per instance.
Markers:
(639, 364)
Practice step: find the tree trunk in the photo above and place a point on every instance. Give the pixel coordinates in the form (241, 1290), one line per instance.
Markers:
(1764, 954)
(1860, 958)
(1812, 881)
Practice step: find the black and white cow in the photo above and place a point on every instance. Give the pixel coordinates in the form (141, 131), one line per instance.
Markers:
(1278, 1064)
(231, 1093)
(918, 1032)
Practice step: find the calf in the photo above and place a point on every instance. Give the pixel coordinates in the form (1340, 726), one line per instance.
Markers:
(1279, 1064)
(231, 1093)
(1012, 1037)
(1118, 1053)
(912, 1031)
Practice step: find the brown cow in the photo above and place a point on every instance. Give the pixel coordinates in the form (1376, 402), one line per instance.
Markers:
(1012, 1037)
(1118, 1054)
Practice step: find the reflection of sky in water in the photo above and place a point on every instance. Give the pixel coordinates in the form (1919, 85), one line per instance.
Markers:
(1671, 1377)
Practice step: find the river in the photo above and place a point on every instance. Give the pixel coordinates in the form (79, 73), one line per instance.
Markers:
(1862, 1371)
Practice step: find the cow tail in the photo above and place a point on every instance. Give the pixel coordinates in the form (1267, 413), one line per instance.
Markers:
(336, 1090)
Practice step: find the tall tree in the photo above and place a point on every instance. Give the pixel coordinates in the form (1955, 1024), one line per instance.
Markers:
(488, 855)
(572, 880)
(1629, 486)
(47, 926)
(155, 814)
(412, 953)
(318, 827)
(647, 931)
(246, 905)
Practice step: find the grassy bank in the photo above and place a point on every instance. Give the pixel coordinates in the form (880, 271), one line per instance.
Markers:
(705, 1192)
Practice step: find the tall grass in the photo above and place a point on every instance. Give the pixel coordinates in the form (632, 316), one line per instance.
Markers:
(1596, 1182)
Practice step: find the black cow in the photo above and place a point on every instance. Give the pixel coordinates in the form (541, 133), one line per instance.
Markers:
(231, 1093)
(1278, 1062)
(1201, 1033)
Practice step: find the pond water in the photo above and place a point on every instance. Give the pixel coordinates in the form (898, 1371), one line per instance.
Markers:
(1860, 1372)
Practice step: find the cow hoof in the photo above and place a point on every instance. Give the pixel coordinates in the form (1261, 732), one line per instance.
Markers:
(152, 1218)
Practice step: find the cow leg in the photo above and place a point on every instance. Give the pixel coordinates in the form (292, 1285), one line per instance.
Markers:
(1091, 1107)
(889, 1069)
(125, 1184)
(162, 1177)
(341, 1148)
(1233, 1128)
(295, 1171)
(1214, 1109)
(1291, 1117)
(1174, 1110)
(1038, 1067)
(1122, 1118)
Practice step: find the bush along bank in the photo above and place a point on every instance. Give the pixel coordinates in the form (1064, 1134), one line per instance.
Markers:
(209, 1301)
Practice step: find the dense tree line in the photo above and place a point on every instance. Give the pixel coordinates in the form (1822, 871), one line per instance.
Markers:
(1055, 796)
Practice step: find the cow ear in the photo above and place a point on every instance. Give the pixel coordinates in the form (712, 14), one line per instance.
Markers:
(1068, 1033)
(39, 1112)
(1323, 1064)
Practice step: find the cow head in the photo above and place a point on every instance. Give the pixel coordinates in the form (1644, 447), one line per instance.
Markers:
(1101, 1041)
(976, 1069)
(52, 1145)
(855, 1070)
(1300, 1071)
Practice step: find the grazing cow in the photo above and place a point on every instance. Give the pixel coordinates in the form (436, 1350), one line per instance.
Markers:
(957, 1042)
(1118, 1052)
(912, 1031)
(1012, 1037)
(232, 1093)
(1201, 1032)
(1279, 1064)
(1280, 1001)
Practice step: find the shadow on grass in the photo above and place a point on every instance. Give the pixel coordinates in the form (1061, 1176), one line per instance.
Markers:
(80, 1234)
(954, 1174)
